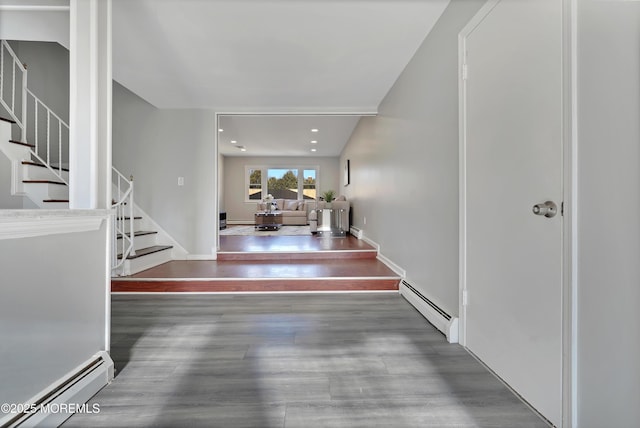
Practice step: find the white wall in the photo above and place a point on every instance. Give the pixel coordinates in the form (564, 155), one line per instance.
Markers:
(221, 202)
(48, 73)
(234, 180)
(608, 214)
(158, 146)
(53, 313)
(52, 26)
(404, 164)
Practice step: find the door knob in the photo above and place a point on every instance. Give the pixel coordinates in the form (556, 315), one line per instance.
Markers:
(548, 209)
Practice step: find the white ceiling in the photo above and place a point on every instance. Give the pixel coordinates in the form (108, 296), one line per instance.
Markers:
(269, 135)
(267, 56)
(317, 56)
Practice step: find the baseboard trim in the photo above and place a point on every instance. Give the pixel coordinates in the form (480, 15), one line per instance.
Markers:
(448, 326)
(371, 242)
(394, 267)
(384, 259)
(201, 257)
(241, 222)
(178, 252)
(60, 400)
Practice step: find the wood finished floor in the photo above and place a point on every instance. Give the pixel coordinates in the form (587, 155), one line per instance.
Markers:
(271, 263)
(321, 360)
(234, 243)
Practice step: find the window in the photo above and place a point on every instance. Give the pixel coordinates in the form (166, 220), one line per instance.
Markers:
(281, 182)
(309, 190)
(255, 184)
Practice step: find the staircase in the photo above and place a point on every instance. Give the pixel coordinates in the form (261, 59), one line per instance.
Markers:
(36, 142)
(32, 177)
(147, 251)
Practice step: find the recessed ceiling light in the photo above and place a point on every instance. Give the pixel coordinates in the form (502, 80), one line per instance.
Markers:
(220, 130)
(314, 130)
(243, 149)
(314, 141)
(233, 141)
(314, 150)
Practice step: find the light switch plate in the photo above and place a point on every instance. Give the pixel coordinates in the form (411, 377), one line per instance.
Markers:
(180, 181)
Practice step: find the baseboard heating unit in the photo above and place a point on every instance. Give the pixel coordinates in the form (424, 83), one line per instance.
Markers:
(355, 232)
(59, 401)
(441, 320)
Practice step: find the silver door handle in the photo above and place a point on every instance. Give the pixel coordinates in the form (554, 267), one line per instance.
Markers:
(548, 209)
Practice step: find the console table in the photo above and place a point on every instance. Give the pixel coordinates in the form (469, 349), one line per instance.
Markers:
(330, 222)
(268, 221)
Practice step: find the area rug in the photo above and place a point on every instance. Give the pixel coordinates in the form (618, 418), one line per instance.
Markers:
(251, 231)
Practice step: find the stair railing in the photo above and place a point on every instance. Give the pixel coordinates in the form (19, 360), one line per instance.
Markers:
(122, 211)
(9, 100)
(31, 132)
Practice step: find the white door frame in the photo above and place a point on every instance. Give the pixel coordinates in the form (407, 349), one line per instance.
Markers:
(258, 113)
(569, 149)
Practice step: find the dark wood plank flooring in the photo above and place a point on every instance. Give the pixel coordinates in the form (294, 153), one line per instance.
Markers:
(319, 360)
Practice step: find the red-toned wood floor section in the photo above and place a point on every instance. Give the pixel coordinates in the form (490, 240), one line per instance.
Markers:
(165, 286)
(283, 263)
(293, 248)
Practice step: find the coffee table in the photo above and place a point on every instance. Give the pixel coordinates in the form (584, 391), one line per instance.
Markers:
(268, 221)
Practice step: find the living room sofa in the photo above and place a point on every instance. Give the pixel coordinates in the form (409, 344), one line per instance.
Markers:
(293, 212)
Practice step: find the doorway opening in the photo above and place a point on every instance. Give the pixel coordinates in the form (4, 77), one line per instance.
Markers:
(277, 162)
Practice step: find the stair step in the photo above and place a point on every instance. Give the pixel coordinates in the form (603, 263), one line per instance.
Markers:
(299, 255)
(44, 182)
(56, 200)
(138, 233)
(257, 285)
(4, 119)
(22, 144)
(149, 250)
(43, 166)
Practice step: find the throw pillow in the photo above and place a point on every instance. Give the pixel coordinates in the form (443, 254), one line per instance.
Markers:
(291, 205)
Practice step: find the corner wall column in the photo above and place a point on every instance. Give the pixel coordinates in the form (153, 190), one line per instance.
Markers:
(90, 104)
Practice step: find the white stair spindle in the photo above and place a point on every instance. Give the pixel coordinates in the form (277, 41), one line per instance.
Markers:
(48, 137)
(23, 132)
(133, 248)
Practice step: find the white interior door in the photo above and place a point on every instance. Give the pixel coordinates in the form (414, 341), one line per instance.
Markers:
(512, 147)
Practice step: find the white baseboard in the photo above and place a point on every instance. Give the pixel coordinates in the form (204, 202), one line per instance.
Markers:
(371, 242)
(387, 261)
(356, 232)
(391, 265)
(56, 403)
(178, 251)
(449, 327)
(240, 222)
(202, 257)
